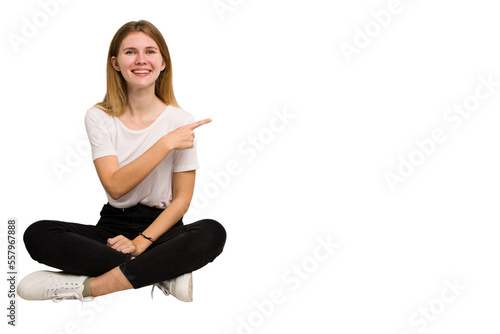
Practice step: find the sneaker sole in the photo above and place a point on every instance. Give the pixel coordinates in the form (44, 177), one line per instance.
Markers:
(181, 285)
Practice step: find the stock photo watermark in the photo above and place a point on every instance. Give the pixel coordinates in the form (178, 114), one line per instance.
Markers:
(425, 315)
(453, 118)
(222, 7)
(293, 278)
(33, 24)
(86, 314)
(379, 20)
(74, 156)
(247, 151)
(12, 265)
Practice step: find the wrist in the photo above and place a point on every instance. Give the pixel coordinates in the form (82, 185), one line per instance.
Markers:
(166, 144)
(141, 244)
(146, 237)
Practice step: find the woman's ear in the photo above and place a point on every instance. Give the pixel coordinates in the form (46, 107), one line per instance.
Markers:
(114, 63)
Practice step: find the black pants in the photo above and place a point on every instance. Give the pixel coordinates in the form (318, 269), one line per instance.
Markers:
(82, 250)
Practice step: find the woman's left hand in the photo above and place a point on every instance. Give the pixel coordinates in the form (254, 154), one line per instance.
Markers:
(124, 245)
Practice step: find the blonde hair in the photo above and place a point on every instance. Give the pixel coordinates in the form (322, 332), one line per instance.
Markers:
(115, 100)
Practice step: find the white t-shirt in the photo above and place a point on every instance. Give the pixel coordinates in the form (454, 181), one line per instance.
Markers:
(109, 136)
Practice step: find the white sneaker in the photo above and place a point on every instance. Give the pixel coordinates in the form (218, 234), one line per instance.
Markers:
(180, 287)
(50, 285)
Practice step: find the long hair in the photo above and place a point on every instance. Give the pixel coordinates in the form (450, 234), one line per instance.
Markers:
(116, 98)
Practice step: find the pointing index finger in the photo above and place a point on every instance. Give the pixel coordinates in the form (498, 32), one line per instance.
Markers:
(195, 125)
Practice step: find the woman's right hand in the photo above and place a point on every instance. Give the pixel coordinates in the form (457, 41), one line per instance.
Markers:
(183, 137)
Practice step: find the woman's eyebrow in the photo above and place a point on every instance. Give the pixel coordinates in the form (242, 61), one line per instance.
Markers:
(133, 48)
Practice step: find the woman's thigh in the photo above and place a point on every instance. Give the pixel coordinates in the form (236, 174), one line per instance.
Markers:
(72, 247)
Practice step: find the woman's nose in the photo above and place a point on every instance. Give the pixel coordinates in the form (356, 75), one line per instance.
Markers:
(140, 59)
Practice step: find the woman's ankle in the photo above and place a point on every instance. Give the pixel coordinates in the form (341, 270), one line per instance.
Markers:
(86, 287)
(110, 282)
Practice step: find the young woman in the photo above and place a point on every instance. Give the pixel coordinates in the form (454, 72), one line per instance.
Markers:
(145, 156)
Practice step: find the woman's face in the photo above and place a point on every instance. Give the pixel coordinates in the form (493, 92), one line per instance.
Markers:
(139, 60)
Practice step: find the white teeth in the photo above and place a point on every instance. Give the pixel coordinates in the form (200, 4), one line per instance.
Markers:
(141, 72)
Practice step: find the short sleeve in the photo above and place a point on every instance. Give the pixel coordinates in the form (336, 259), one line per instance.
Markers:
(185, 160)
(98, 131)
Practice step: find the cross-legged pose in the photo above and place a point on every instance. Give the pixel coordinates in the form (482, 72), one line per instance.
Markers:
(144, 153)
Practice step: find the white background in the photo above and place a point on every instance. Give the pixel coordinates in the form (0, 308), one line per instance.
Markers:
(320, 177)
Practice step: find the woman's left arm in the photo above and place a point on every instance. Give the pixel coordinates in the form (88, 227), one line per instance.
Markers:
(182, 188)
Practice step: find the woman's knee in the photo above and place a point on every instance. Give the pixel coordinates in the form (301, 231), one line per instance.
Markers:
(35, 234)
(215, 232)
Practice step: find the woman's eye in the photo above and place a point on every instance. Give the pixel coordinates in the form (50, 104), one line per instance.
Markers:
(149, 52)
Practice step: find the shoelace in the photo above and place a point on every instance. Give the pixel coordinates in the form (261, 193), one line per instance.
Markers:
(64, 291)
(163, 286)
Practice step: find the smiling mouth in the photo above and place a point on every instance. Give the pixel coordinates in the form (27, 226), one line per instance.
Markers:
(141, 71)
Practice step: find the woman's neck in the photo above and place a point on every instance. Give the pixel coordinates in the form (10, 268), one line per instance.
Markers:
(142, 102)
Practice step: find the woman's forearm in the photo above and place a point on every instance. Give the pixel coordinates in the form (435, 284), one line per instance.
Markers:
(183, 188)
(162, 224)
(121, 181)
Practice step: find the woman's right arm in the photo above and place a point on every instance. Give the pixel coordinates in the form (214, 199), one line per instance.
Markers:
(119, 181)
